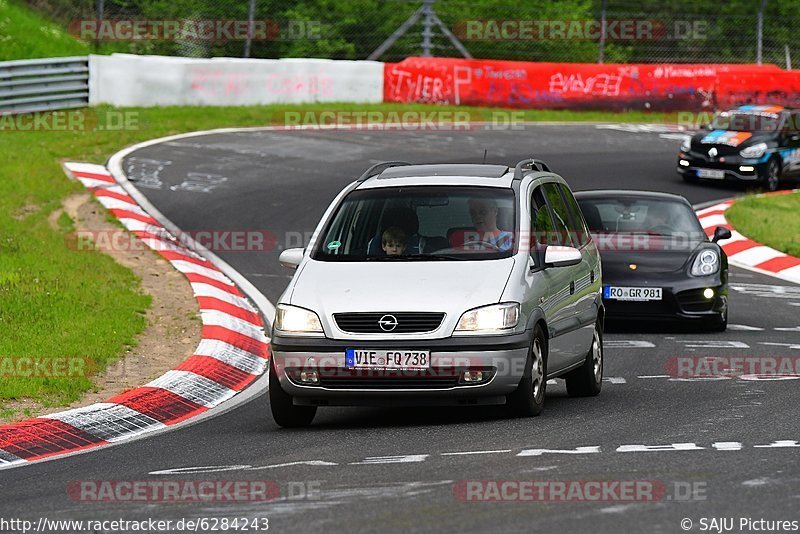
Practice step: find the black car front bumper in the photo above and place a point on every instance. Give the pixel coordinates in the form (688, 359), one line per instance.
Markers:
(681, 300)
(690, 166)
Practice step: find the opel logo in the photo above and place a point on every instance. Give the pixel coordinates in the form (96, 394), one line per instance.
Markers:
(388, 323)
(712, 152)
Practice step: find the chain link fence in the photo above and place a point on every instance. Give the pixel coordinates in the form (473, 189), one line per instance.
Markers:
(680, 31)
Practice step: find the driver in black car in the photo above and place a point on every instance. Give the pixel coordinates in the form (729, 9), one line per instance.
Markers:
(658, 219)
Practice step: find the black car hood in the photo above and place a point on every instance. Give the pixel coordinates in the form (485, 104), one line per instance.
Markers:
(617, 264)
(728, 141)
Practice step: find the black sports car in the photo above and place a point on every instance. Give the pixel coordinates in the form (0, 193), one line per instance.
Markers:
(759, 144)
(658, 263)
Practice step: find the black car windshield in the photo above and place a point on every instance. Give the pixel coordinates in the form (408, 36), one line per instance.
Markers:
(643, 216)
(746, 121)
(421, 223)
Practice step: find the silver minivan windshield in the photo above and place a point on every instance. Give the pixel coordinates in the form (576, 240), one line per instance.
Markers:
(421, 223)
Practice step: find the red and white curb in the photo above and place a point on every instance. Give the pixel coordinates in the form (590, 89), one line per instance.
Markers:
(232, 353)
(746, 253)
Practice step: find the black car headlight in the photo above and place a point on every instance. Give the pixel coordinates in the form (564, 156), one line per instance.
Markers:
(755, 151)
(705, 263)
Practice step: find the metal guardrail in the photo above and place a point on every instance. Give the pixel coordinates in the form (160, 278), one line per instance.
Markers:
(44, 84)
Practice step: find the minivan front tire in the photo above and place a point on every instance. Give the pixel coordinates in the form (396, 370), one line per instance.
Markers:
(284, 411)
(528, 399)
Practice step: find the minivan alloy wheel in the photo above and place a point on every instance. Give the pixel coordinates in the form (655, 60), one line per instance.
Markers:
(537, 368)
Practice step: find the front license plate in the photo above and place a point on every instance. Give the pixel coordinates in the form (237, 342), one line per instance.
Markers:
(711, 173)
(632, 293)
(387, 359)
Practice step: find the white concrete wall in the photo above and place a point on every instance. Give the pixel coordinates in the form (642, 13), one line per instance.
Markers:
(132, 80)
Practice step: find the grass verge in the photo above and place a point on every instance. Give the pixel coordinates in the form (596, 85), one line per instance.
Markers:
(59, 302)
(770, 220)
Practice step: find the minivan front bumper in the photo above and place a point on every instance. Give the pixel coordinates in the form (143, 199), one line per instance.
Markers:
(501, 359)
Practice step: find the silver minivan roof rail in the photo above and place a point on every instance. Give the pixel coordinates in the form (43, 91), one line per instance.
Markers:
(379, 168)
(529, 164)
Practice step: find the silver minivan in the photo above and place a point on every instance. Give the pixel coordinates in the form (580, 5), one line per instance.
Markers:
(456, 284)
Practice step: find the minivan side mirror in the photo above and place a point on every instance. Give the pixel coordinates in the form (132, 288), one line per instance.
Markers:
(561, 256)
(720, 233)
(291, 257)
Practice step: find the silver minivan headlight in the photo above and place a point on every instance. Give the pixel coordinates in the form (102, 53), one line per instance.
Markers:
(497, 318)
(296, 320)
(705, 263)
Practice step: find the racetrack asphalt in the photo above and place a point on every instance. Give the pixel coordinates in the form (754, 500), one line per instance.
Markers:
(392, 470)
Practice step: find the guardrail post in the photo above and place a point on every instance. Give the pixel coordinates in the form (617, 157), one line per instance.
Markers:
(603, 30)
(251, 15)
(760, 32)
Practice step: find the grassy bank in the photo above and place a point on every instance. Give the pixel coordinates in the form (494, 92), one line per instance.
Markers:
(57, 302)
(26, 34)
(771, 220)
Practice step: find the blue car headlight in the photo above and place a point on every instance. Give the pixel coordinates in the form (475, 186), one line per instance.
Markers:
(705, 263)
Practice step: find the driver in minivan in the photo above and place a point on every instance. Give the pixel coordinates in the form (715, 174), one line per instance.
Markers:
(483, 212)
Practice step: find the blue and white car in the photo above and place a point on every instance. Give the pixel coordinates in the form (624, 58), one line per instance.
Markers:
(758, 144)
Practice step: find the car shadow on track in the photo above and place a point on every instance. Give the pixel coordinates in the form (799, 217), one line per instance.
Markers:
(349, 418)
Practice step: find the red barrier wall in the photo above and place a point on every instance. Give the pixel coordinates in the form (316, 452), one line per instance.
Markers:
(585, 85)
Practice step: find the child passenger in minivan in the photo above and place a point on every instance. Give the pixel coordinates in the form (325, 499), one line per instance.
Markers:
(393, 241)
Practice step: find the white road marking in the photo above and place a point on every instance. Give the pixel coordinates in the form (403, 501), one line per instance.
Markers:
(716, 446)
(788, 329)
(402, 459)
(244, 467)
(769, 291)
(787, 345)
(314, 463)
(627, 344)
(474, 452)
(744, 328)
(727, 446)
(779, 444)
(654, 376)
(615, 380)
(768, 378)
(617, 509)
(659, 448)
(577, 450)
(713, 344)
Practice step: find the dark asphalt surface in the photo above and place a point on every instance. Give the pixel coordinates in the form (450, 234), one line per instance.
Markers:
(281, 182)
